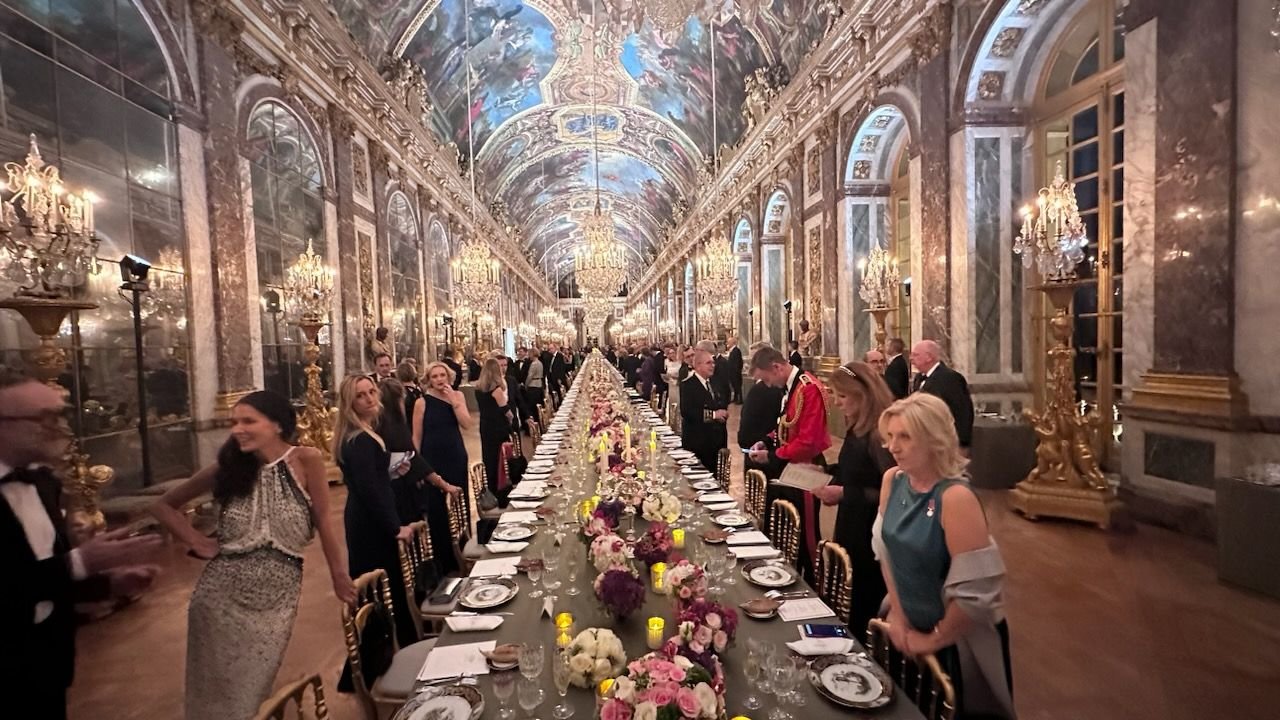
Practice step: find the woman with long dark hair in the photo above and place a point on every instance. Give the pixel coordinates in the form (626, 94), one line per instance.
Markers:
(273, 497)
(861, 396)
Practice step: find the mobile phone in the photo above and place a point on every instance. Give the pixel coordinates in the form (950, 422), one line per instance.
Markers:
(826, 631)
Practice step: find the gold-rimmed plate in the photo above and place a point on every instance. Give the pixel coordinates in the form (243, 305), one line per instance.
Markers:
(853, 681)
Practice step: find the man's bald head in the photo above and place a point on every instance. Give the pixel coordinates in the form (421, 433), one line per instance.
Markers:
(925, 354)
(703, 363)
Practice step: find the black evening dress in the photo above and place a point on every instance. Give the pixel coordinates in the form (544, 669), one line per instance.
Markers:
(443, 449)
(863, 463)
(410, 500)
(495, 429)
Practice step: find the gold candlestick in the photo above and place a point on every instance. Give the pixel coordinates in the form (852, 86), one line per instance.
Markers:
(881, 316)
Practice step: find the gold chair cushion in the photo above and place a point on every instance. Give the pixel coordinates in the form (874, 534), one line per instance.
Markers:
(399, 679)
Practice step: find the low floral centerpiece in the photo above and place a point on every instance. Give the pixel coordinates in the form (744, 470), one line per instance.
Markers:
(661, 687)
(594, 655)
(609, 551)
(661, 506)
(685, 582)
(655, 545)
(620, 591)
(704, 629)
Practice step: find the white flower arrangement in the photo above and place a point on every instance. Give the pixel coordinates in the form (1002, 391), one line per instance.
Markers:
(609, 551)
(594, 655)
(661, 506)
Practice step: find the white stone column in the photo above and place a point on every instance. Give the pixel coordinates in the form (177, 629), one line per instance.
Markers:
(202, 325)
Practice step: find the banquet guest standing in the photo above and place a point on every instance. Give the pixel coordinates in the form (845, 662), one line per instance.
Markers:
(734, 358)
(943, 571)
(936, 378)
(802, 420)
(43, 576)
(535, 384)
(876, 360)
(861, 396)
(454, 363)
(272, 496)
(795, 358)
(703, 429)
(383, 367)
(412, 471)
(407, 374)
(759, 419)
(720, 373)
(495, 418)
(371, 519)
(439, 433)
(896, 373)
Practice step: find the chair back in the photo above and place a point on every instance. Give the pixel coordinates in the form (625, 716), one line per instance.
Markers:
(414, 553)
(535, 434)
(723, 465)
(373, 595)
(517, 447)
(754, 486)
(920, 678)
(459, 525)
(478, 479)
(784, 529)
(544, 415)
(834, 573)
(277, 706)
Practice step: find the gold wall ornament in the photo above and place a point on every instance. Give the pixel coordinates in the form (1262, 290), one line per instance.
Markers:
(309, 287)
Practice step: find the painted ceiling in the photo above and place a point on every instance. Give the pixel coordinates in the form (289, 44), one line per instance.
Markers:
(536, 68)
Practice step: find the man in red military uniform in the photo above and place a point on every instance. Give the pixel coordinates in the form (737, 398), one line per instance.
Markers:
(802, 423)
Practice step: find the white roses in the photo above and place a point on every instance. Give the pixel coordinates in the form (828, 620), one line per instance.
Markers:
(595, 654)
(661, 506)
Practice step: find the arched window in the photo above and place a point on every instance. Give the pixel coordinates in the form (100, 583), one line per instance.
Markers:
(1079, 124)
(90, 81)
(899, 242)
(406, 277)
(288, 211)
(743, 246)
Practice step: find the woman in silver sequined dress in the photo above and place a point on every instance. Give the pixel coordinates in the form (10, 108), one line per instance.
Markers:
(273, 497)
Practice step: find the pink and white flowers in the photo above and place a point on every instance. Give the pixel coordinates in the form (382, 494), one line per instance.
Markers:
(660, 686)
(661, 507)
(685, 581)
(610, 552)
(595, 654)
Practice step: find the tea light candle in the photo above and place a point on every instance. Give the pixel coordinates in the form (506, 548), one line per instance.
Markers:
(604, 687)
(562, 640)
(677, 538)
(656, 625)
(595, 502)
(564, 621)
(653, 438)
(657, 573)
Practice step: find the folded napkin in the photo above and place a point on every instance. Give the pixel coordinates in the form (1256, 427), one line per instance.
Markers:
(526, 504)
(456, 661)
(749, 537)
(722, 506)
(821, 646)
(519, 516)
(473, 623)
(754, 552)
(493, 567)
(715, 497)
(805, 609)
(498, 547)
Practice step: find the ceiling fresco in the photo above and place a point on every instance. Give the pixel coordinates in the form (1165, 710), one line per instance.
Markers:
(538, 66)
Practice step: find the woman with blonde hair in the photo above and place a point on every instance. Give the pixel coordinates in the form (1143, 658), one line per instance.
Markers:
(437, 433)
(861, 395)
(943, 571)
(495, 418)
(370, 517)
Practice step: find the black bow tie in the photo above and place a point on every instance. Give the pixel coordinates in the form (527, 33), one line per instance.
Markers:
(23, 475)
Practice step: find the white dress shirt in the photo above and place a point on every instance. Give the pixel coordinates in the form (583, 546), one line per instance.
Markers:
(24, 500)
(791, 379)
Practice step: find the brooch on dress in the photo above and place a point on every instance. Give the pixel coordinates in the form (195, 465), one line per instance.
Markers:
(928, 511)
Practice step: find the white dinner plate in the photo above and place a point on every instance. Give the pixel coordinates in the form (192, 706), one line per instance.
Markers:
(732, 518)
(705, 485)
(770, 574)
(512, 532)
(486, 594)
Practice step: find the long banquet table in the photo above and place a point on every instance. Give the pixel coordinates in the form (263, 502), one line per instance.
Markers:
(527, 624)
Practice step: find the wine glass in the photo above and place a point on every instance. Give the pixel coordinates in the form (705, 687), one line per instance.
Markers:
(531, 695)
(779, 668)
(715, 562)
(551, 563)
(730, 568)
(504, 686)
(753, 669)
(572, 563)
(532, 658)
(561, 673)
(766, 651)
(799, 668)
(535, 575)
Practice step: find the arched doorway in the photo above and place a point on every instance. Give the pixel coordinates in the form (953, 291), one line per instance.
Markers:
(406, 277)
(773, 268)
(743, 247)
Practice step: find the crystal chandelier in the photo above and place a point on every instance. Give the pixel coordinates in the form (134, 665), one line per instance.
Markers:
(308, 287)
(595, 311)
(1053, 235)
(475, 276)
(550, 324)
(46, 232)
(717, 279)
(668, 328)
(880, 281)
(600, 263)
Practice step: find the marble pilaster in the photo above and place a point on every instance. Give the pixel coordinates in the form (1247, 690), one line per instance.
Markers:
(201, 314)
(1139, 201)
(934, 280)
(336, 329)
(773, 287)
(830, 242)
(226, 220)
(346, 319)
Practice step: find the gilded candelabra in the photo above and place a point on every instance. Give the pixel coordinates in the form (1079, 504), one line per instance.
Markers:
(880, 287)
(49, 248)
(1066, 481)
(309, 287)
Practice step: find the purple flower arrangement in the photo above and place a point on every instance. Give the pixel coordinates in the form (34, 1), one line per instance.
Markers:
(620, 591)
(704, 629)
(611, 512)
(655, 546)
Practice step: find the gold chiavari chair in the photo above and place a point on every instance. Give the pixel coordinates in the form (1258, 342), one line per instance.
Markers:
(459, 528)
(414, 553)
(517, 446)
(535, 434)
(479, 479)
(755, 485)
(921, 678)
(834, 573)
(544, 416)
(277, 706)
(385, 694)
(784, 529)
(723, 466)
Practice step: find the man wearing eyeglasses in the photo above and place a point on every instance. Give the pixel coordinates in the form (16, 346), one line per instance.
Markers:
(43, 575)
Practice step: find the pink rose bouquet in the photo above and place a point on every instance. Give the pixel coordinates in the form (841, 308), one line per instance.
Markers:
(656, 545)
(608, 552)
(685, 582)
(704, 628)
(659, 686)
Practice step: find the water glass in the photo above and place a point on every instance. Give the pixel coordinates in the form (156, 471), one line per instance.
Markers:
(531, 695)
(764, 652)
(753, 670)
(504, 686)
(535, 576)
(799, 669)
(551, 563)
(572, 563)
(532, 658)
(730, 568)
(561, 673)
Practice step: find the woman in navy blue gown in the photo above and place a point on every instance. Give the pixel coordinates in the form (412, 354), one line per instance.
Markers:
(438, 435)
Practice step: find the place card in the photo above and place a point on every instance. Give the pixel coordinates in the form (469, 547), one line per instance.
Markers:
(456, 661)
(804, 609)
(494, 567)
(749, 537)
(715, 497)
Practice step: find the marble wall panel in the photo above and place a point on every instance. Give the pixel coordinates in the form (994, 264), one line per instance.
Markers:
(202, 314)
(743, 320)
(1258, 221)
(772, 291)
(934, 282)
(963, 224)
(860, 216)
(987, 256)
(846, 282)
(1195, 162)
(915, 170)
(336, 329)
(226, 220)
(1139, 200)
(348, 316)
(252, 289)
(1017, 276)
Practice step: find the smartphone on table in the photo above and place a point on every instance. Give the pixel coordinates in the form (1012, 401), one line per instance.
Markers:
(826, 631)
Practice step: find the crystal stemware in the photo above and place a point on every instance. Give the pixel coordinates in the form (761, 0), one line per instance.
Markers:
(530, 695)
(535, 576)
(572, 563)
(532, 658)
(561, 673)
(753, 670)
(504, 686)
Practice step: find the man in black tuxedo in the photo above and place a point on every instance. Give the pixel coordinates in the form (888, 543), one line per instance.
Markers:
(629, 366)
(734, 360)
(556, 372)
(934, 377)
(896, 374)
(719, 376)
(686, 365)
(703, 413)
(43, 576)
(795, 358)
(759, 419)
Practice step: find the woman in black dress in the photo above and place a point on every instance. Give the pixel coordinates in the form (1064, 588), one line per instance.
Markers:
(438, 436)
(372, 522)
(861, 395)
(495, 418)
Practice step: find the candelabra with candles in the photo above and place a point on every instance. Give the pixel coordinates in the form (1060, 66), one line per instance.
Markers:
(49, 249)
(717, 281)
(475, 280)
(1066, 481)
(308, 289)
(600, 264)
(879, 290)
